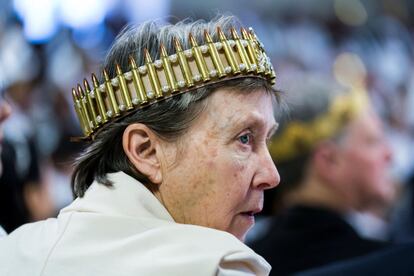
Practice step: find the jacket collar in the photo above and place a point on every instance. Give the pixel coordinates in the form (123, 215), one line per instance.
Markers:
(126, 197)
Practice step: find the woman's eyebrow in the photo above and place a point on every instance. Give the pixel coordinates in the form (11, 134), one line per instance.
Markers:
(251, 120)
(257, 124)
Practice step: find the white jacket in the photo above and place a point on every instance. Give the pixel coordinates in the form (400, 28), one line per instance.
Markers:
(123, 230)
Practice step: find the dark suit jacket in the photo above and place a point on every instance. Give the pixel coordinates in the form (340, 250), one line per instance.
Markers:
(306, 237)
(398, 260)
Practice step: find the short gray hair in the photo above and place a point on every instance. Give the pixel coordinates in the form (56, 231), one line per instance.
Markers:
(169, 118)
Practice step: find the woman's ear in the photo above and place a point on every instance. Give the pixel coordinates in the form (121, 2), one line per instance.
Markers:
(140, 145)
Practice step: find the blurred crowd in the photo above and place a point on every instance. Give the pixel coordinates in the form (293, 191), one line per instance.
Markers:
(40, 63)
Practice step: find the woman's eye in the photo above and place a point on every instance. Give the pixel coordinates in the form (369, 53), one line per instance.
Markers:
(245, 139)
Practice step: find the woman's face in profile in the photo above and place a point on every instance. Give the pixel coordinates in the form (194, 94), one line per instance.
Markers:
(223, 165)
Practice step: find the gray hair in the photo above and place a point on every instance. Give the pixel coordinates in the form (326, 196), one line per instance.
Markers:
(169, 119)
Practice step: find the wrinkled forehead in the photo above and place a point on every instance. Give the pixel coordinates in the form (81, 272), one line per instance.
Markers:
(230, 108)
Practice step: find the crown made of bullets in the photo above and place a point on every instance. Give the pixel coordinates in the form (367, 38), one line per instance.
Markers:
(299, 138)
(183, 71)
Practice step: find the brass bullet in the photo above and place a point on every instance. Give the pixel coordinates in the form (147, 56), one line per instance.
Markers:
(214, 55)
(89, 100)
(80, 112)
(99, 99)
(137, 80)
(155, 82)
(126, 96)
(228, 51)
(111, 93)
(182, 60)
(83, 100)
(169, 72)
(241, 50)
(201, 63)
(250, 50)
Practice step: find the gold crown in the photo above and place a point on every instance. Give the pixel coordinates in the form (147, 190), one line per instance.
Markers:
(171, 75)
(300, 137)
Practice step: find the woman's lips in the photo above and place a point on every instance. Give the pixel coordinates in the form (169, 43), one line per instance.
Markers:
(249, 215)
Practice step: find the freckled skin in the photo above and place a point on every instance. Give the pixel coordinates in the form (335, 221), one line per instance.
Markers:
(216, 177)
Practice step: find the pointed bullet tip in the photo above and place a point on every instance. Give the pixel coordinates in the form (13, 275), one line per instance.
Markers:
(118, 68)
(86, 84)
(193, 41)
(105, 73)
(80, 90)
(163, 50)
(132, 61)
(147, 55)
(177, 44)
(207, 36)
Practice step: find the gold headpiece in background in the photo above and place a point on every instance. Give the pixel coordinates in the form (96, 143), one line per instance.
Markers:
(171, 75)
(300, 137)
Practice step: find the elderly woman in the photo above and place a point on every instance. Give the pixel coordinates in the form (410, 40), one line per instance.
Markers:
(177, 162)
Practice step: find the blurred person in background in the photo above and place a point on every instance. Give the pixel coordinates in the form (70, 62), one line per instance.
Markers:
(394, 260)
(177, 161)
(36, 180)
(5, 111)
(333, 160)
(24, 193)
(38, 191)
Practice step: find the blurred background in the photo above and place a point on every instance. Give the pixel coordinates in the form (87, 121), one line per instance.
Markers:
(48, 46)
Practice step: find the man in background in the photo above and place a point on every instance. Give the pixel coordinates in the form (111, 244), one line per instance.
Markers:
(333, 161)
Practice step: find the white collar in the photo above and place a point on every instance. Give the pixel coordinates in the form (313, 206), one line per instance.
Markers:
(126, 197)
